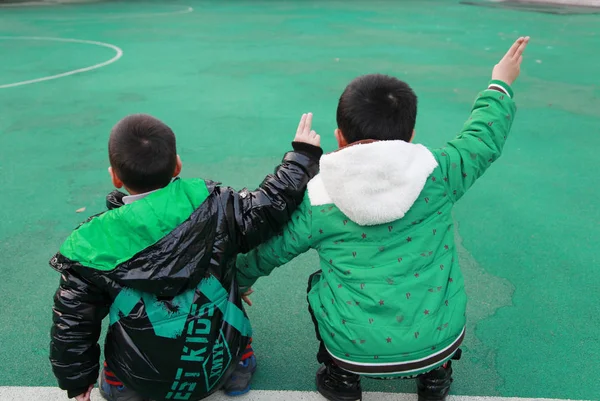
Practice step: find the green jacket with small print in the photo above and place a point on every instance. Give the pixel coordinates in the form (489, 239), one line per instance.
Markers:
(379, 214)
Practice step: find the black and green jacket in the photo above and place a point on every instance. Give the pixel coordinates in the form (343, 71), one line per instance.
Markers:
(163, 269)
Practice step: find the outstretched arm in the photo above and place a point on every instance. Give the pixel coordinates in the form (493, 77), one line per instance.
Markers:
(295, 239)
(466, 158)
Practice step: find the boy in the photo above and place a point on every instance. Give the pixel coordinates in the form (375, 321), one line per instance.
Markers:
(161, 263)
(389, 300)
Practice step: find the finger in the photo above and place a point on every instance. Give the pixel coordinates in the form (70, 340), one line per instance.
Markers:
(313, 133)
(308, 123)
(521, 48)
(301, 125)
(318, 140)
(247, 300)
(514, 47)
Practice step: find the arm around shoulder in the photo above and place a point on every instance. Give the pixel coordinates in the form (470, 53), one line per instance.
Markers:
(262, 213)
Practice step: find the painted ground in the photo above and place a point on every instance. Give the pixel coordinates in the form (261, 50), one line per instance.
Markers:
(232, 78)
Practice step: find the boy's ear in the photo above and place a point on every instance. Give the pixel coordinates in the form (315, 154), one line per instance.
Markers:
(177, 167)
(115, 179)
(339, 136)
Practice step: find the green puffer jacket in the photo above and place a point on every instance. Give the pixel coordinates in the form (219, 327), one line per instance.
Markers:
(390, 299)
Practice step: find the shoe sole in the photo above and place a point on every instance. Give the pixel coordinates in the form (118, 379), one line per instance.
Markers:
(237, 393)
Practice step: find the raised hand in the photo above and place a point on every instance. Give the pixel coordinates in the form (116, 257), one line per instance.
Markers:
(508, 69)
(304, 132)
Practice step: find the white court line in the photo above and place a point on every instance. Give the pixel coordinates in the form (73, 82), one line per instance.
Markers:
(64, 74)
(55, 394)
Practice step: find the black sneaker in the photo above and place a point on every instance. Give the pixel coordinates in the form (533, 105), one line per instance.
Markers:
(336, 384)
(239, 381)
(435, 385)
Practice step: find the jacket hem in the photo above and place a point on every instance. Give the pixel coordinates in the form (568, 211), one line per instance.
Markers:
(405, 368)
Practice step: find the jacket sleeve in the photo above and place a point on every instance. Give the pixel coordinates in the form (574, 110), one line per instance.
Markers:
(262, 213)
(78, 311)
(294, 240)
(464, 159)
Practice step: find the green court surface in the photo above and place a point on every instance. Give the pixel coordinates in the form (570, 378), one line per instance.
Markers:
(232, 78)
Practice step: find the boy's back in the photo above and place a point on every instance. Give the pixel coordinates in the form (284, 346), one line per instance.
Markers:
(153, 265)
(387, 253)
(161, 264)
(389, 299)
(380, 216)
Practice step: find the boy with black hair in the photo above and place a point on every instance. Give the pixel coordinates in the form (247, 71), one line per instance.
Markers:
(161, 264)
(390, 299)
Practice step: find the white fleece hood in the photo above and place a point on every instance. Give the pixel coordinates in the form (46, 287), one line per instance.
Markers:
(373, 183)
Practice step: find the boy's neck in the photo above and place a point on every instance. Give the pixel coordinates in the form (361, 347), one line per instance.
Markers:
(134, 193)
(361, 142)
(137, 196)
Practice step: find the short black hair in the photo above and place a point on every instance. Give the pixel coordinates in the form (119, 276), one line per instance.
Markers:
(378, 107)
(142, 152)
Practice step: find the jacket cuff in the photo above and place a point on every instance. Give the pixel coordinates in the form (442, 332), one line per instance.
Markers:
(76, 392)
(501, 86)
(308, 150)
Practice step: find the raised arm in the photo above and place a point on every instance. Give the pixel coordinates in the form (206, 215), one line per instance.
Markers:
(466, 158)
(262, 213)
